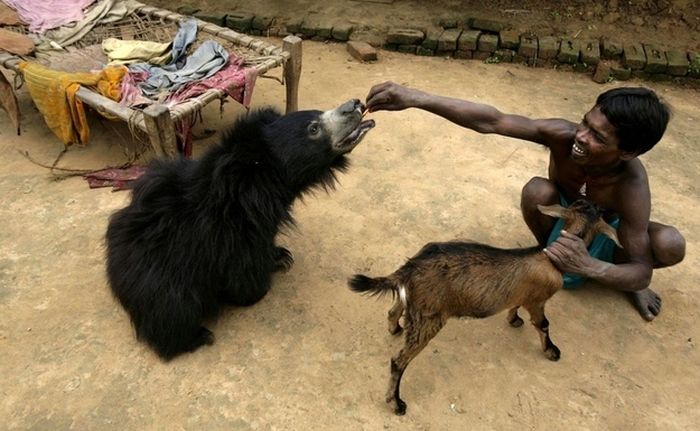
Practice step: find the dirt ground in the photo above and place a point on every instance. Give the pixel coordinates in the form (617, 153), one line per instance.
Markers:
(312, 354)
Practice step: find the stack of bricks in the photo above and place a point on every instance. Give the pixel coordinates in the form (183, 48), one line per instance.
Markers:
(487, 40)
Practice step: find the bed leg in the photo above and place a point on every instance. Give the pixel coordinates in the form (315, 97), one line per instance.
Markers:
(161, 130)
(292, 71)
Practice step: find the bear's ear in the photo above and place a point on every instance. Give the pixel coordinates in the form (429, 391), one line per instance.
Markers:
(263, 116)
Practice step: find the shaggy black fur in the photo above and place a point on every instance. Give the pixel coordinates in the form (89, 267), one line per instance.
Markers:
(199, 234)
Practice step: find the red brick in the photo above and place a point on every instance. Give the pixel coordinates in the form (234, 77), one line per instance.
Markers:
(362, 51)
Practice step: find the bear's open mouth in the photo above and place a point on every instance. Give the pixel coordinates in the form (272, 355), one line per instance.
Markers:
(354, 138)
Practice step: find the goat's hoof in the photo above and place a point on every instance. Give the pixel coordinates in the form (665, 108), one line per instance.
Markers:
(400, 409)
(516, 322)
(552, 353)
(396, 330)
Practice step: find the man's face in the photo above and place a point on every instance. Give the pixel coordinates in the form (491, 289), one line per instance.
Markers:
(596, 142)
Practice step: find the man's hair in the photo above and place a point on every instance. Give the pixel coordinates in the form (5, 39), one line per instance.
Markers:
(638, 116)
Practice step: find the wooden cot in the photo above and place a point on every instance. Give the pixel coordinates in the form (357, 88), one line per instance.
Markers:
(159, 25)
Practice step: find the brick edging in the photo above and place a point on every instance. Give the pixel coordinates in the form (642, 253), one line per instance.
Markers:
(491, 41)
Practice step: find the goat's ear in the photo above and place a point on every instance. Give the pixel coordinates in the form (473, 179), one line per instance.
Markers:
(556, 211)
(607, 230)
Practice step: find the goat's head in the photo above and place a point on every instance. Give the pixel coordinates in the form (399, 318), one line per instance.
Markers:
(583, 219)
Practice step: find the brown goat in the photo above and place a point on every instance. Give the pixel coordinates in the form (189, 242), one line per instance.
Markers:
(464, 279)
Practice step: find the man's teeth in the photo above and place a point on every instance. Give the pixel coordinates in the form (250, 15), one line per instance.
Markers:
(578, 150)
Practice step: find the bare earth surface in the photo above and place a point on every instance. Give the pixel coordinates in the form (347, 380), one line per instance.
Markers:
(313, 355)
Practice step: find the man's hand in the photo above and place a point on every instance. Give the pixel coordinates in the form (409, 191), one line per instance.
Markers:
(389, 96)
(569, 254)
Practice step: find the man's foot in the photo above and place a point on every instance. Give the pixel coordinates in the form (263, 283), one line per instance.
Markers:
(647, 302)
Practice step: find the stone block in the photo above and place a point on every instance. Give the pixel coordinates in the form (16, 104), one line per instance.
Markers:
(362, 51)
(464, 54)
(487, 43)
(569, 51)
(656, 59)
(528, 46)
(390, 47)
(405, 36)
(294, 26)
(342, 31)
(468, 40)
(678, 63)
(448, 22)
(309, 27)
(324, 30)
(590, 52)
(509, 39)
(239, 21)
(448, 40)
(694, 60)
(481, 55)
(261, 22)
(611, 49)
(620, 72)
(548, 47)
(633, 56)
(490, 25)
(187, 10)
(425, 52)
(218, 18)
(431, 39)
(407, 49)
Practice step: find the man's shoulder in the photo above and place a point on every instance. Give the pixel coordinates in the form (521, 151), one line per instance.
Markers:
(557, 132)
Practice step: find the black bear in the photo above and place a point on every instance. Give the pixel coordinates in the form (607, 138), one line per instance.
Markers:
(199, 234)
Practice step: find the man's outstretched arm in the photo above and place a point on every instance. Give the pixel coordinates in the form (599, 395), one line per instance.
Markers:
(479, 117)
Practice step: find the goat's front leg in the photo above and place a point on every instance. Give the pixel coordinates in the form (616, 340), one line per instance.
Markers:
(513, 319)
(394, 315)
(541, 324)
(419, 331)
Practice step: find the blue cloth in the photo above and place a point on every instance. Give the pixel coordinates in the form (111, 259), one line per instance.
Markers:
(602, 247)
(209, 57)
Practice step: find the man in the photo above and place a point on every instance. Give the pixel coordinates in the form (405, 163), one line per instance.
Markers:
(596, 159)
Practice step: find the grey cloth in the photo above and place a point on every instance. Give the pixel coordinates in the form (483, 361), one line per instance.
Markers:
(203, 63)
(184, 37)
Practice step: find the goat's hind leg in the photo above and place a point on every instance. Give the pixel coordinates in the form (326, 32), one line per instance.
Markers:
(513, 319)
(419, 331)
(394, 315)
(541, 324)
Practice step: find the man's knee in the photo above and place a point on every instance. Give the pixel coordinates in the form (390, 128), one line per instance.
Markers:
(538, 191)
(668, 246)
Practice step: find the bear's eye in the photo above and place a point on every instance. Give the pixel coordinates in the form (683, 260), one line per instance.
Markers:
(314, 129)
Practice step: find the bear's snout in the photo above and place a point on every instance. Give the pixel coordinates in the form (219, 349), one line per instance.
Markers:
(350, 106)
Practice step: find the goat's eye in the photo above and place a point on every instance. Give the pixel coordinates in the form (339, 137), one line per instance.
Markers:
(314, 129)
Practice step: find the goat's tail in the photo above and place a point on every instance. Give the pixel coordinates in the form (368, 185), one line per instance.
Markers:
(372, 286)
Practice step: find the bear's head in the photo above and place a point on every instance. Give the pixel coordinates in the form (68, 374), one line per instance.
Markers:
(312, 144)
(307, 147)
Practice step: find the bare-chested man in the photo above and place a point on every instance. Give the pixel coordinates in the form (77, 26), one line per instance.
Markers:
(596, 159)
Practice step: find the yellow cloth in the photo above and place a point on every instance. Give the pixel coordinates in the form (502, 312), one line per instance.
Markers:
(133, 51)
(54, 91)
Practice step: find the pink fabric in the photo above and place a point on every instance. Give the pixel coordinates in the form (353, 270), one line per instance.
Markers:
(234, 79)
(130, 91)
(42, 15)
(117, 178)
